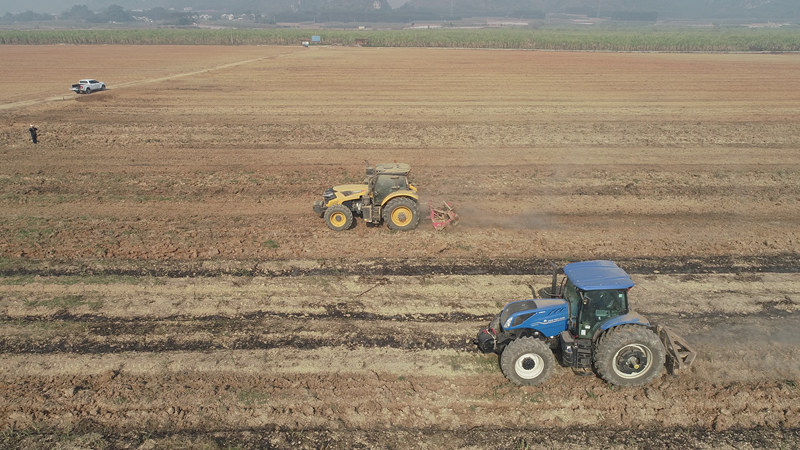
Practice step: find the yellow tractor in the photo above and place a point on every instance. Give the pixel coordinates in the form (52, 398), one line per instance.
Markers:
(386, 195)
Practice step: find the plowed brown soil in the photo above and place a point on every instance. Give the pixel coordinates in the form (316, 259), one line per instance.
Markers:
(165, 283)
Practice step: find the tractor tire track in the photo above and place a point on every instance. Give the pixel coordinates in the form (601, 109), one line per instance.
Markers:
(129, 84)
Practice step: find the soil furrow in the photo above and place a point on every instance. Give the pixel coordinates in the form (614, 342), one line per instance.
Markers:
(245, 321)
(779, 263)
(187, 342)
(366, 400)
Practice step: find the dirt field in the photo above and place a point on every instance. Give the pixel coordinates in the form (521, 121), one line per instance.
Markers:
(165, 283)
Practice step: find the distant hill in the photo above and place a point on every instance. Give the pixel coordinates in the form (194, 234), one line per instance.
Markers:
(673, 9)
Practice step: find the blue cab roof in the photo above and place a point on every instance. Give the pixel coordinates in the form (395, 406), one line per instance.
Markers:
(597, 275)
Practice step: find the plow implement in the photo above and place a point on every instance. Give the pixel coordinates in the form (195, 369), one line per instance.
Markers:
(679, 354)
(443, 215)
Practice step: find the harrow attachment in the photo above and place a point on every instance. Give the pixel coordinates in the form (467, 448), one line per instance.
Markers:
(679, 354)
(443, 215)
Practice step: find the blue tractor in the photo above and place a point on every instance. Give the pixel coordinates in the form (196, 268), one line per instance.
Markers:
(586, 321)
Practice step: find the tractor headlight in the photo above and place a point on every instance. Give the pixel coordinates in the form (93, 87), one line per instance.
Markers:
(328, 195)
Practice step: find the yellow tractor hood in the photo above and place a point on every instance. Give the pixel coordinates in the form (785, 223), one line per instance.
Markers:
(350, 189)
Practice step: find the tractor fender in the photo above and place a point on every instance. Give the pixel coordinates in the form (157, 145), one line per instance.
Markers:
(403, 193)
(632, 318)
(503, 338)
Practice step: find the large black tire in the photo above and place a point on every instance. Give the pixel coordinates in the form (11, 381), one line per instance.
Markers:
(401, 213)
(527, 361)
(339, 217)
(629, 355)
(87, 91)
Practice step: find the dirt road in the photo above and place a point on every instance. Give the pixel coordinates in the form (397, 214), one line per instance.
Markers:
(165, 283)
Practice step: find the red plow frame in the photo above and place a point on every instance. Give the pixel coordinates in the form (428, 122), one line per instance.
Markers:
(443, 215)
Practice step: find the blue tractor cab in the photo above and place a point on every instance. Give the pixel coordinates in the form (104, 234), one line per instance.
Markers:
(597, 292)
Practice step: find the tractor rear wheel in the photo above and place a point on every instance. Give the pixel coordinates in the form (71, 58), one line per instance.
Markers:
(527, 361)
(401, 214)
(629, 355)
(339, 217)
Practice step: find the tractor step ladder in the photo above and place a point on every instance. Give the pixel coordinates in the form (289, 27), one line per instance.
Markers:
(679, 354)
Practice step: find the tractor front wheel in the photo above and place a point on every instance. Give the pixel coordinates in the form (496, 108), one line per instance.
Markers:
(339, 217)
(401, 214)
(527, 361)
(629, 355)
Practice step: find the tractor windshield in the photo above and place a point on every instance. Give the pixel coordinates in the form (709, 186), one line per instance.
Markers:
(599, 306)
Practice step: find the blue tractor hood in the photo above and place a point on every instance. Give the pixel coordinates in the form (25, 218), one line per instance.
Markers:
(597, 275)
(547, 316)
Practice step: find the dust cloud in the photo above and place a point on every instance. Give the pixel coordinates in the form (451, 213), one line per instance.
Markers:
(747, 348)
(474, 217)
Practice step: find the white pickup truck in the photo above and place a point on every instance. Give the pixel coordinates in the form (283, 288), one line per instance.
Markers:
(88, 85)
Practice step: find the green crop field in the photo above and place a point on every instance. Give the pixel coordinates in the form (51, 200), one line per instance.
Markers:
(728, 39)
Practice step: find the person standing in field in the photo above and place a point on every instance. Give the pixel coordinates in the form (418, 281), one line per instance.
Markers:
(33, 131)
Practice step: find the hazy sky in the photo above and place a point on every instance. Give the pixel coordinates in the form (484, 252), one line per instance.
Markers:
(48, 6)
(57, 6)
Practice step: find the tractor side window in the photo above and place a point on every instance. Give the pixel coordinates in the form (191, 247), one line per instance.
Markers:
(620, 305)
(398, 183)
(382, 188)
(386, 184)
(607, 303)
(383, 185)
